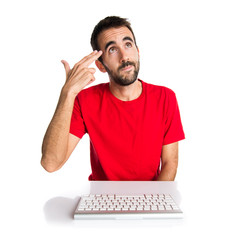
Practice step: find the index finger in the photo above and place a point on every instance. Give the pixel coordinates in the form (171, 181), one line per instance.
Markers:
(88, 60)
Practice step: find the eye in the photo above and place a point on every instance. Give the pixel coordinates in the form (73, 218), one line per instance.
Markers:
(112, 50)
(128, 44)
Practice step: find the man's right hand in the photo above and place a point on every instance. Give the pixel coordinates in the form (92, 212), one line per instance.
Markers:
(58, 143)
(80, 75)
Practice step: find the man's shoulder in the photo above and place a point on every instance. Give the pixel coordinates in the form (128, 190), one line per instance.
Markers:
(92, 91)
(158, 89)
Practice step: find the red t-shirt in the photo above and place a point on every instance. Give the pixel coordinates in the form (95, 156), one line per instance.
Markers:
(126, 137)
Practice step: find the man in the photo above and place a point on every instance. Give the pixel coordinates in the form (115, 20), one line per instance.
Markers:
(134, 127)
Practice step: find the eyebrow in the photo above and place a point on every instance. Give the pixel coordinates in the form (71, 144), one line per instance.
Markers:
(128, 38)
(108, 44)
(113, 42)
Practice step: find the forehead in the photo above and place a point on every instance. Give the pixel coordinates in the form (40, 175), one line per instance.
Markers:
(113, 34)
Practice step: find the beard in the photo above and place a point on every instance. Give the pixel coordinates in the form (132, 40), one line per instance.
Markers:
(128, 77)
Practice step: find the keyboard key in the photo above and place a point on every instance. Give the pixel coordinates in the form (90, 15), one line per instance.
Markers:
(175, 207)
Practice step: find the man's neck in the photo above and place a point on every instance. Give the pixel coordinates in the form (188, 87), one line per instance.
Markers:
(126, 93)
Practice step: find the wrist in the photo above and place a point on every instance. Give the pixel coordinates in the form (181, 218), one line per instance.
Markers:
(67, 97)
(68, 93)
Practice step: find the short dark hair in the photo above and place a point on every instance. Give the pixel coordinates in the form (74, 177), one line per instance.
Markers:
(106, 23)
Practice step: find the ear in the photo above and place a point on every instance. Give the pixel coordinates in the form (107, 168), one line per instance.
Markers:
(100, 66)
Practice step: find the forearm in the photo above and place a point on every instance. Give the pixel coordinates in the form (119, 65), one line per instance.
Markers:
(55, 142)
(168, 172)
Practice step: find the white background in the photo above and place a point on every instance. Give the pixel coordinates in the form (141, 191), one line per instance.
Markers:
(191, 47)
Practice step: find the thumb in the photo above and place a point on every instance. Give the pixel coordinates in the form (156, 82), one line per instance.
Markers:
(66, 66)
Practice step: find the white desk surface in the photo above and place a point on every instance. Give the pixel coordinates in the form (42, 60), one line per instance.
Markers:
(58, 211)
(61, 208)
(49, 215)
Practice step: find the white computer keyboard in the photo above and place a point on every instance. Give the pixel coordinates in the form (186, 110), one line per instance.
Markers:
(115, 206)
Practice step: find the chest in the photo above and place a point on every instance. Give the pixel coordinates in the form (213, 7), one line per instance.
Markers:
(143, 120)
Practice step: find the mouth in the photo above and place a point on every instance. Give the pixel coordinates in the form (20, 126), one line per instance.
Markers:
(128, 68)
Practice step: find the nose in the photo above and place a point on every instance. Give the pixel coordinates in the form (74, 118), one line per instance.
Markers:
(123, 56)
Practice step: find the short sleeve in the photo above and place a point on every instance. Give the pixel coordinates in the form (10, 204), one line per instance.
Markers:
(173, 131)
(77, 126)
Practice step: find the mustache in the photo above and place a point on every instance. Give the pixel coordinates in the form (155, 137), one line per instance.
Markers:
(125, 64)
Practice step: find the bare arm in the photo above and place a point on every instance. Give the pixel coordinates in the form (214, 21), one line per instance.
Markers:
(58, 143)
(169, 162)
